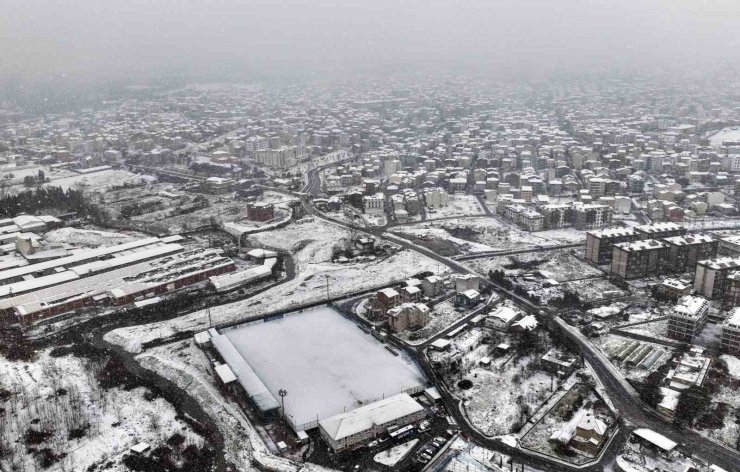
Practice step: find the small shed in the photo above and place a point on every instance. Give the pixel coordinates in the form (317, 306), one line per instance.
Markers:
(140, 448)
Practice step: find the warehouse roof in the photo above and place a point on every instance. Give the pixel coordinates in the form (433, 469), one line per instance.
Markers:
(656, 439)
(255, 388)
(368, 416)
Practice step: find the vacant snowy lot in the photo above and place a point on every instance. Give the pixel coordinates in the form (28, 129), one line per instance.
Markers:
(560, 264)
(61, 415)
(100, 181)
(90, 237)
(501, 398)
(595, 290)
(458, 205)
(311, 244)
(471, 235)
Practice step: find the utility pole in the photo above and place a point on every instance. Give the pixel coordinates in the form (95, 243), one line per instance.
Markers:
(327, 287)
(282, 392)
(208, 311)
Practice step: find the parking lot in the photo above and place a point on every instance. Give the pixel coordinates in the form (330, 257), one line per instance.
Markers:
(434, 429)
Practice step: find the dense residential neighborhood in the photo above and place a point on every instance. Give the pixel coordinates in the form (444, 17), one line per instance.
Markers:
(371, 270)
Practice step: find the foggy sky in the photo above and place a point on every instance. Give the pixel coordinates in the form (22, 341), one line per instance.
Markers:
(135, 40)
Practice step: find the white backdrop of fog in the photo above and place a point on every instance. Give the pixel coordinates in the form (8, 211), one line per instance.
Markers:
(132, 40)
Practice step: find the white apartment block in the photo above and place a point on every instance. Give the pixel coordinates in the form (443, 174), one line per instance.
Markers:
(730, 341)
(688, 318)
(374, 203)
(282, 157)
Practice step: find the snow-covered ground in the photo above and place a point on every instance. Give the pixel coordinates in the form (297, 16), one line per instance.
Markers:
(481, 234)
(562, 417)
(504, 393)
(561, 264)
(187, 367)
(595, 290)
(326, 363)
(311, 244)
(429, 232)
(100, 181)
(733, 365)
(61, 394)
(394, 455)
(495, 402)
(441, 316)
(458, 205)
(726, 134)
(89, 237)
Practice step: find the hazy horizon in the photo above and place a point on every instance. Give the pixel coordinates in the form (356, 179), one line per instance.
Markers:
(47, 44)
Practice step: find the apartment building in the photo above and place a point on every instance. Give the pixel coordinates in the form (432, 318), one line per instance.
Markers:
(374, 204)
(687, 318)
(408, 316)
(557, 216)
(660, 230)
(282, 157)
(685, 251)
(729, 246)
(730, 341)
(636, 259)
(600, 243)
(710, 279)
(592, 216)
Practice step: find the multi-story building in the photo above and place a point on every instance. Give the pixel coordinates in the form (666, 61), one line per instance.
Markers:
(729, 246)
(432, 286)
(407, 315)
(600, 243)
(282, 157)
(344, 430)
(730, 341)
(710, 279)
(592, 216)
(685, 251)
(388, 298)
(260, 211)
(557, 216)
(374, 203)
(688, 318)
(732, 290)
(660, 230)
(525, 217)
(632, 260)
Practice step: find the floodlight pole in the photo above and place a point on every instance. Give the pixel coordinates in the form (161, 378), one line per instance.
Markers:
(327, 287)
(282, 392)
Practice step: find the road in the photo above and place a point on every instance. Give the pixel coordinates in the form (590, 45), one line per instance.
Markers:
(484, 254)
(622, 395)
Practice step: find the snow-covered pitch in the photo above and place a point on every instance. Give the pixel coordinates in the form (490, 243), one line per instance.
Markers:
(324, 361)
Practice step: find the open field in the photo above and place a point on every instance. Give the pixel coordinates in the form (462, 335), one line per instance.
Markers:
(560, 264)
(312, 245)
(325, 362)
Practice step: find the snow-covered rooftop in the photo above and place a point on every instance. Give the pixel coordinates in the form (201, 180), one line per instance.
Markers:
(366, 417)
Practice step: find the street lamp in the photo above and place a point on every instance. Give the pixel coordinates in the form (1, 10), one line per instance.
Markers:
(282, 392)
